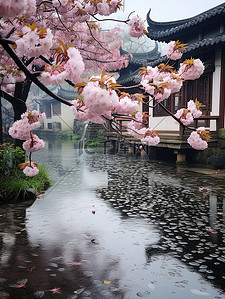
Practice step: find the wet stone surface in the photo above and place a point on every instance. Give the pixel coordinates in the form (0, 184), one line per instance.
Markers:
(115, 227)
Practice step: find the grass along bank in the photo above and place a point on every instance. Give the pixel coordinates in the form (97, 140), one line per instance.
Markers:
(14, 184)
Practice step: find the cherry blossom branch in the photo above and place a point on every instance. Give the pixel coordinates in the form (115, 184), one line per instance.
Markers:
(10, 32)
(30, 75)
(174, 117)
(114, 20)
(128, 117)
(97, 60)
(9, 98)
(129, 87)
(96, 39)
(60, 20)
(49, 62)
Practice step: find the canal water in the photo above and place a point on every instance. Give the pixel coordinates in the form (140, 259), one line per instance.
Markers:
(115, 227)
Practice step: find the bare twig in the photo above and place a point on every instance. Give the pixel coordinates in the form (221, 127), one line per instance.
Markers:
(96, 39)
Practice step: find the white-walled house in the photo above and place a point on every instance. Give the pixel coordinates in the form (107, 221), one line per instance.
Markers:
(58, 116)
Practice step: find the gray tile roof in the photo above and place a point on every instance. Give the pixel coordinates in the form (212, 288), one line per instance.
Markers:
(194, 47)
(162, 30)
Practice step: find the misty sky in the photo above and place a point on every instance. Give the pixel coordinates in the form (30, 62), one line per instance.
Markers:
(164, 10)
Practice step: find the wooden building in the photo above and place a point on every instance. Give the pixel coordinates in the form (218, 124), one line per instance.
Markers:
(205, 35)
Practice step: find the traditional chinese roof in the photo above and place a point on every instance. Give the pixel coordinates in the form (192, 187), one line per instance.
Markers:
(166, 31)
(129, 76)
(61, 92)
(66, 94)
(195, 48)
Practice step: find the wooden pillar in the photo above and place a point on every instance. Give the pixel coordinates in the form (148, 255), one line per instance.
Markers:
(131, 149)
(181, 157)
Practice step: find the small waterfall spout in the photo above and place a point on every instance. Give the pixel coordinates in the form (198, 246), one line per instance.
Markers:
(82, 140)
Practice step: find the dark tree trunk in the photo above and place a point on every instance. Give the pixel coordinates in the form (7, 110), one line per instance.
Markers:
(19, 107)
(1, 132)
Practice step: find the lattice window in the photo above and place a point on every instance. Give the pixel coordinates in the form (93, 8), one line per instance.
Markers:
(200, 89)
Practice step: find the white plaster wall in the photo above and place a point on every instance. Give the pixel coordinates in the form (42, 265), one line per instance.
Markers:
(164, 123)
(67, 116)
(216, 89)
(66, 119)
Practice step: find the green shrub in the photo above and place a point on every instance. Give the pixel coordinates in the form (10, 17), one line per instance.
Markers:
(10, 158)
(96, 141)
(13, 182)
(14, 187)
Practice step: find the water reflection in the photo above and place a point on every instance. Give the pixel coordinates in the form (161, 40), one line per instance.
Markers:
(153, 234)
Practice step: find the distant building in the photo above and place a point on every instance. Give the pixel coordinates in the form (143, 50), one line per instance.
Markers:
(59, 116)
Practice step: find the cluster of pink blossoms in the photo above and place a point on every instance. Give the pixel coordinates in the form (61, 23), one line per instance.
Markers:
(173, 51)
(196, 139)
(33, 144)
(186, 116)
(100, 101)
(71, 68)
(160, 83)
(22, 129)
(80, 11)
(34, 41)
(137, 27)
(18, 8)
(191, 69)
(126, 105)
(150, 138)
(137, 130)
(146, 135)
(30, 168)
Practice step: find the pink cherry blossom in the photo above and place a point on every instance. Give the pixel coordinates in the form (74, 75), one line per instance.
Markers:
(33, 42)
(71, 70)
(150, 138)
(161, 94)
(29, 121)
(172, 52)
(174, 83)
(194, 110)
(191, 69)
(30, 169)
(196, 141)
(126, 106)
(137, 27)
(20, 129)
(33, 144)
(184, 116)
(98, 95)
(149, 74)
(17, 8)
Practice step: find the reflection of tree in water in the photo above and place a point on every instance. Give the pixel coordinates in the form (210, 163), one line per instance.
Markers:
(46, 269)
(191, 222)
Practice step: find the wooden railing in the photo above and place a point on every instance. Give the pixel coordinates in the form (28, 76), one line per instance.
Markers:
(207, 118)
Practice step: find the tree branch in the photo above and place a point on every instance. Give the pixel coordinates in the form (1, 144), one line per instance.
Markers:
(31, 76)
(96, 39)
